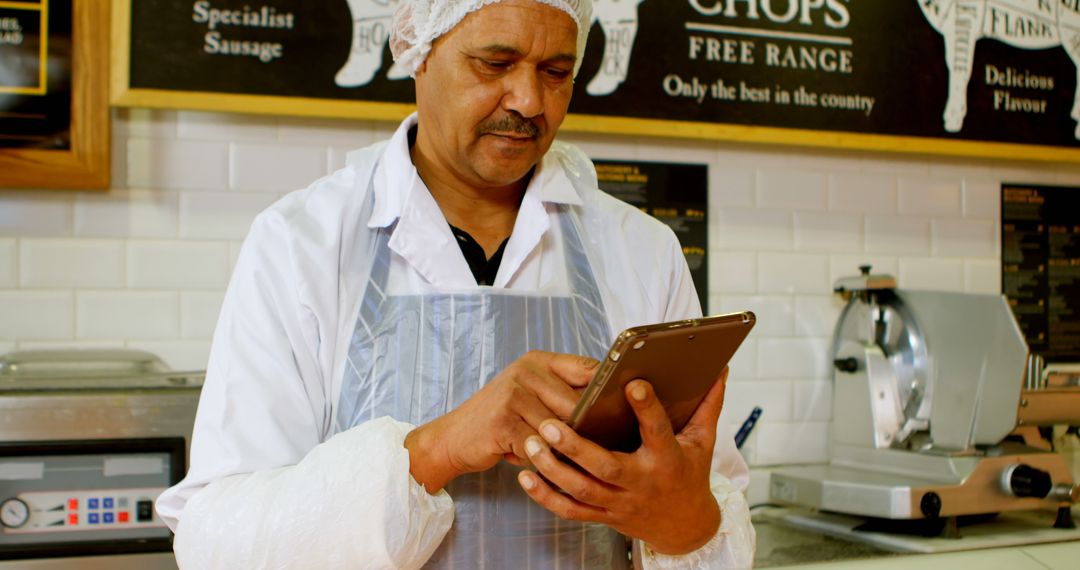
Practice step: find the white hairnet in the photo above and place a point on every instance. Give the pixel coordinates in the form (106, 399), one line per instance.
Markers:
(418, 23)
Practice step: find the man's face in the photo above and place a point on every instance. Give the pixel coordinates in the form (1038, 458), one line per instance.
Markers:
(494, 90)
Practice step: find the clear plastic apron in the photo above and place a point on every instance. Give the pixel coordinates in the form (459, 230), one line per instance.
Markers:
(416, 357)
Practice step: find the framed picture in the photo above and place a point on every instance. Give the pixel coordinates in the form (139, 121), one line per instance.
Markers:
(951, 77)
(54, 113)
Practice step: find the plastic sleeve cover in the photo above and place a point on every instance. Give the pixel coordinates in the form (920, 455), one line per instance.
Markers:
(349, 503)
(731, 548)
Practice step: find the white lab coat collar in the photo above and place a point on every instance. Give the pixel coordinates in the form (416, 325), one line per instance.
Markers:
(423, 237)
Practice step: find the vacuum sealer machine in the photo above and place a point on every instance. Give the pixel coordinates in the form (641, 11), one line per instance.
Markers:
(88, 440)
(928, 388)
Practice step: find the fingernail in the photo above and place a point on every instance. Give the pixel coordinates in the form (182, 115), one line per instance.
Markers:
(550, 433)
(639, 393)
(533, 445)
(527, 480)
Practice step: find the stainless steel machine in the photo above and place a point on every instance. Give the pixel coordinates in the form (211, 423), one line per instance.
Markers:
(929, 388)
(88, 440)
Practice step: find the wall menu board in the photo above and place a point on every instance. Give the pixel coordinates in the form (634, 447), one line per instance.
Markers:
(1040, 266)
(971, 77)
(35, 105)
(676, 194)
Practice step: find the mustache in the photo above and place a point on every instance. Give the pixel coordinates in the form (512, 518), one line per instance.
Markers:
(511, 123)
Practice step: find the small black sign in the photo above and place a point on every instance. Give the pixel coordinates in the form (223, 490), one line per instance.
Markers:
(1040, 266)
(676, 194)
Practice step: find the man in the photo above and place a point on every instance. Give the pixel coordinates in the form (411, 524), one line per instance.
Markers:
(401, 337)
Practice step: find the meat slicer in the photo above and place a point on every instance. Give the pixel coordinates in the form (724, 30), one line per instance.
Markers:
(928, 390)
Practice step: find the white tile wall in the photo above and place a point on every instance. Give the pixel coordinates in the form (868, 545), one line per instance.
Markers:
(71, 264)
(145, 265)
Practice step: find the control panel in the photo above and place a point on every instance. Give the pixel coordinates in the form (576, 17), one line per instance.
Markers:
(81, 497)
(62, 511)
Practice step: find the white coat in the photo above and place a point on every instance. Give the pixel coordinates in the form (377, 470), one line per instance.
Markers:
(271, 483)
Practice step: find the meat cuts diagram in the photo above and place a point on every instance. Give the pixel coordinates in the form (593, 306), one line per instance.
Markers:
(371, 19)
(1025, 24)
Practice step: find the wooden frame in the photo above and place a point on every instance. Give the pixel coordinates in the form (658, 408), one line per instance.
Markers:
(86, 164)
(122, 94)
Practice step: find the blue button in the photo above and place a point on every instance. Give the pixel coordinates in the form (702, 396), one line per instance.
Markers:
(91, 503)
(108, 517)
(107, 503)
(92, 518)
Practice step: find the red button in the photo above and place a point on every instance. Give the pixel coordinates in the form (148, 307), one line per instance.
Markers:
(73, 504)
(122, 516)
(73, 519)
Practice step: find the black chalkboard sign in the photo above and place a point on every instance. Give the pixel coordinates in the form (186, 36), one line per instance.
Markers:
(977, 77)
(1040, 266)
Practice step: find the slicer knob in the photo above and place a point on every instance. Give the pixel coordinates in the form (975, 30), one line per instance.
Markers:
(849, 364)
(1026, 481)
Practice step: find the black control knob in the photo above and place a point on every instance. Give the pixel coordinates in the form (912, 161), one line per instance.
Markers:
(1026, 481)
(930, 505)
(849, 364)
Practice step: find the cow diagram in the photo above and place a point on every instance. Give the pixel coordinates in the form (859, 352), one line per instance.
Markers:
(1026, 24)
(618, 20)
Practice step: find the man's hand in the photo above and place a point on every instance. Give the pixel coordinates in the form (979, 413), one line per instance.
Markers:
(495, 422)
(659, 494)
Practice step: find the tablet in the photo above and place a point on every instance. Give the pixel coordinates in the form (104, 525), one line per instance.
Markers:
(681, 359)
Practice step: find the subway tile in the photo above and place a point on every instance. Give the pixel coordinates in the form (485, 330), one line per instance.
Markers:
(803, 357)
(774, 397)
(933, 274)
(816, 315)
(273, 168)
(753, 230)
(178, 164)
(199, 125)
(757, 492)
(742, 154)
(328, 132)
(37, 315)
(793, 273)
(744, 364)
(681, 151)
(929, 197)
(148, 315)
(117, 163)
(68, 263)
(982, 199)
(787, 443)
(40, 214)
(9, 267)
(199, 313)
(897, 235)
(862, 193)
(812, 400)
(127, 213)
(775, 313)
(732, 272)
(982, 276)
(822, 232)
(964, 238)
(217, 215)
(138, 122)
(1025, 172)
(848, 265)
(895, 164)
(597, 146)
(731, 186)
(825, 160)
(181, 355)
(950, 167)
(1067, 174)
(792, 189)
(178, 265)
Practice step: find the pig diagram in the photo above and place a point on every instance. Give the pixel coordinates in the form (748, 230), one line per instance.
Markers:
(371, 30)
(1026, 24)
